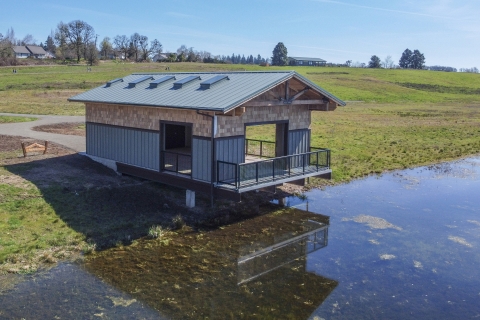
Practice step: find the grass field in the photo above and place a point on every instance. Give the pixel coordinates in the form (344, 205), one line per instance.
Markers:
(400, 119)
(397, 118)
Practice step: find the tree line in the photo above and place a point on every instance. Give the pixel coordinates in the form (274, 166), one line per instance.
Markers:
(78, 40)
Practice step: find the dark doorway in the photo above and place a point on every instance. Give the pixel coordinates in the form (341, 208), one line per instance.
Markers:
(174, 136)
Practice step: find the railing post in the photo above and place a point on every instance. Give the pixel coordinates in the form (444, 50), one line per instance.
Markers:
(261, 149)
(288, 164)
(304, 155)
(246, 146)
(317, 160)
(273, 168)
(237, 180)
(256, 173)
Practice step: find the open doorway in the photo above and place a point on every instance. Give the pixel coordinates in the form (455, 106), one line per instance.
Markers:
(265, 141)
(176, 148)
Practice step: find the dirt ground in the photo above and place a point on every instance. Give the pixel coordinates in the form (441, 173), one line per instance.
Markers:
(76, 129)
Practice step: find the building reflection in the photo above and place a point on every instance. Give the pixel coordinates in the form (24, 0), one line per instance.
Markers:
(252, 269)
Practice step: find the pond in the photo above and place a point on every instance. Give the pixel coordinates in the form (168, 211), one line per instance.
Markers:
(403, 245)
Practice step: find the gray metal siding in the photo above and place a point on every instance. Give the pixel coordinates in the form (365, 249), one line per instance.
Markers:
(126, 145)
(201, 159)
(298, 141)
(231, 149)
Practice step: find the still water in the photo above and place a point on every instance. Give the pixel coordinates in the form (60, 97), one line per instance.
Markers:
(404, 245)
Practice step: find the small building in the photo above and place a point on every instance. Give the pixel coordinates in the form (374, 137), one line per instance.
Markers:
(21, 52)
(36, 52)
(189, 129)
(303, 61)
(160, 57)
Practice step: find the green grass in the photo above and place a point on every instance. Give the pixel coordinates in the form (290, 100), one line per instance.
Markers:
(45, 89)
(12, 119)
(408, 118)
(30, 230)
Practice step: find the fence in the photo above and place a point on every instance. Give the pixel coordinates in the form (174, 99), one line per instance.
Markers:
(260, 148)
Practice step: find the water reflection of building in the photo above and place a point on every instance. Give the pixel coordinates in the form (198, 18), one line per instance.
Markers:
(256, 268)
(286, 249)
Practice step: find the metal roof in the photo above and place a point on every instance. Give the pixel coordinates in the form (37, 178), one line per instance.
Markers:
(20, 49)
(223, 96)
(36, 50)
(308, 59)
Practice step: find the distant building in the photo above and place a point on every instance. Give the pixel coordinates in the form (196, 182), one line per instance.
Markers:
(21, 52)
(160, 57)
(303, 61)
(36, 52)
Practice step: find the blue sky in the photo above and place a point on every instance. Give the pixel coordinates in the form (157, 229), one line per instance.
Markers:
(447, 32)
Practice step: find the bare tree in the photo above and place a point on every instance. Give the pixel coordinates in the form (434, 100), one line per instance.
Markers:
(134, 45)
(182, 53)
(28, 40)
(76, 34)
(105, 47)
(121, 44)
(156, 47)
(388, 62)
(92, 54)
(5, 47)
(144, 48)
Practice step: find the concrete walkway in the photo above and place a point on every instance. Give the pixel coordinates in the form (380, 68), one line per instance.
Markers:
(24, 129)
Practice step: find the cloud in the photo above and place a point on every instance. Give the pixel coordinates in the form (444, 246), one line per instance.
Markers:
(384, 9)
(181, 15)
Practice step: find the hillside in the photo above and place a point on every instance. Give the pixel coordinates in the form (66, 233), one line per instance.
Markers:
(44, 89)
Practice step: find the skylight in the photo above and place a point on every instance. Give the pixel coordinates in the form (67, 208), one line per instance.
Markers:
(133, 83)
(208, 83)
(155, 83)
(109, 83)
(179, 84)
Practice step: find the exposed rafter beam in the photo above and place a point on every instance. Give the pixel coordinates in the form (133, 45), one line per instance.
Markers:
(281, 103)
(298, 95)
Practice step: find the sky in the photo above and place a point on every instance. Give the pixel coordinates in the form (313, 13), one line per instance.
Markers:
(447, 32)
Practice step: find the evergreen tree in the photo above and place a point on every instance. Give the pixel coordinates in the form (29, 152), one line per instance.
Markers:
(405, 59)
(375, 62)
(418, 60)
(280, 55)
(50, 45)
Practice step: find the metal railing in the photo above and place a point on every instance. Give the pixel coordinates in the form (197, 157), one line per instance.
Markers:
(260, 148)
(176, 162)
(240, 175)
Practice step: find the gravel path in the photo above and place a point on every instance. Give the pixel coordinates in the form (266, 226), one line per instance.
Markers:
(24, 129)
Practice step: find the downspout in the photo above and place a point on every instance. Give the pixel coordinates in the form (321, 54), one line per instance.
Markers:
(212, 178)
